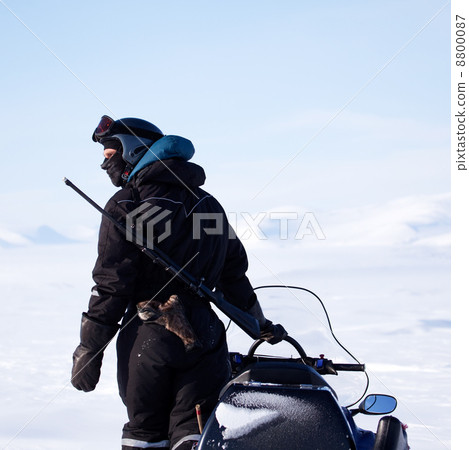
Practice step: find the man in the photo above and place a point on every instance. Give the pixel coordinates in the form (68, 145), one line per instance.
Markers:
(171, 348)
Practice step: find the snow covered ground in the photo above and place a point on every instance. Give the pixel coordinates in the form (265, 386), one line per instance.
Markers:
(383, 276)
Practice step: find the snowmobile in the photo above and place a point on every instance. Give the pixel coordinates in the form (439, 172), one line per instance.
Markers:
(286, 403)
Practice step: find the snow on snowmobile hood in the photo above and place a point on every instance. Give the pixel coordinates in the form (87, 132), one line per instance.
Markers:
(167, 147)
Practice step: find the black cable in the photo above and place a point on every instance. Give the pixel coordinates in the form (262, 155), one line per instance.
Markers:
(330, 328)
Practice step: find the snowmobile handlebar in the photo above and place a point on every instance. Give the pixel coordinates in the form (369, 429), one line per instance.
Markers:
(349, 367)
(288, 339)
(322, 365)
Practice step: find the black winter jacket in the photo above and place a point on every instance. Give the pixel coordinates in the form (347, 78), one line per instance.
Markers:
(199, 232)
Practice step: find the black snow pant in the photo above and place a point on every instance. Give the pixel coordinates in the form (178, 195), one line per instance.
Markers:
(160, 383)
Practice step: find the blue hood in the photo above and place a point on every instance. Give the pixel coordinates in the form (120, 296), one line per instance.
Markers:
(165, 148)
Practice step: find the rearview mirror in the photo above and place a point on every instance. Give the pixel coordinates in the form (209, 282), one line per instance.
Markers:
(378, 404)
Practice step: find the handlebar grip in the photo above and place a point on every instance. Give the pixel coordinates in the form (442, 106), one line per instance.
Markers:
(350, 367)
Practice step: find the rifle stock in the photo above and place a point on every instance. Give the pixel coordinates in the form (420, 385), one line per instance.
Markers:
(244, 320)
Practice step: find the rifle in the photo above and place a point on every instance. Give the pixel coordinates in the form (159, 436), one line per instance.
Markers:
(244, 320)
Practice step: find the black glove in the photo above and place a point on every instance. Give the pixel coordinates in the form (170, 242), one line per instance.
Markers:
(273, 334)
(88, 356)
(270, 333)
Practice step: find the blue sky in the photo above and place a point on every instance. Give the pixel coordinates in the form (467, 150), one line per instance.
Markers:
(254, 86)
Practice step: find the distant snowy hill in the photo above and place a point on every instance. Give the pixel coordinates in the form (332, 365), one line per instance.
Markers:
(42, 235)
(9, 238)
(45, 235)
(413, 220)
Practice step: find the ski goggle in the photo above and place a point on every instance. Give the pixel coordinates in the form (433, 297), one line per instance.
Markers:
(103, 128)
